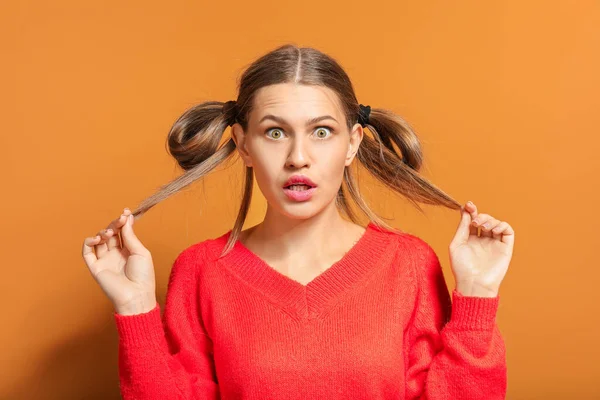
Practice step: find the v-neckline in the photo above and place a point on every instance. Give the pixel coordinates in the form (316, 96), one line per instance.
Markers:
(311, 299)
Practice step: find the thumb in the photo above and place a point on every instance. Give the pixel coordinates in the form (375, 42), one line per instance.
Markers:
(130, 240)
(463, 230)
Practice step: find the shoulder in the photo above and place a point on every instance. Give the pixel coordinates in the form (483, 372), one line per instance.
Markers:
(201, 252)
(412, 253)
(197, 251)
(425, 263)
(409, 243)
(418, 245)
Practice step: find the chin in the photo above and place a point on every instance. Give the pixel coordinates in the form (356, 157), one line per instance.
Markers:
(302, 210)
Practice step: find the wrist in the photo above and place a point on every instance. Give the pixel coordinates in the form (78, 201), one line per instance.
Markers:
(140, 306)
(472, 289)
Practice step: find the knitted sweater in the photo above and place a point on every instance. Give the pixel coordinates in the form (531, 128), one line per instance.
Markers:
(377, 324)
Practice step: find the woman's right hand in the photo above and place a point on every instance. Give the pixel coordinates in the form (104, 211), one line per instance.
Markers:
(125, 272)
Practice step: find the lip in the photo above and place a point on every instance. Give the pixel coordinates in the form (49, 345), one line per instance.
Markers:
(299, 195)
(300, 180)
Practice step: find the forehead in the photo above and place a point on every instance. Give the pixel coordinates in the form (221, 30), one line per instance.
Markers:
(290, 100)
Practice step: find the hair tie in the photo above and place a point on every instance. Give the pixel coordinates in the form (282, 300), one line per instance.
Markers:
(230, 110)
(363, 114)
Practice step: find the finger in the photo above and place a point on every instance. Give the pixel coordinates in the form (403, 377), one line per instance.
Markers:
(113, 239)
(498, 229)
(486, 228)
(481, 219)
(462, 231)
(472, 209)
(508, 236)
(88, 250)
(101, 248)
(118, 222)
(116, 225)
(130, 240)
(478, 221)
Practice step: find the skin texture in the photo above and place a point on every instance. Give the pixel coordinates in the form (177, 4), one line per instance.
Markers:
(296, 238)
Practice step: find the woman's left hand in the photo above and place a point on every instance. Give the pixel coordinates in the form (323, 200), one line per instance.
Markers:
(479, 263)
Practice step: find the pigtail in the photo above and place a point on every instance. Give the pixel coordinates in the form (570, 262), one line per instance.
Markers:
(394, 157)
(194, 143)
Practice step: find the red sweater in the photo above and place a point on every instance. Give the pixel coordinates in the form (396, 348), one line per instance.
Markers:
(377, 324)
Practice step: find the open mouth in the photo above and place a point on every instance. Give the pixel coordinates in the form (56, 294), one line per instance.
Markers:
(298, 188)
(299, 192)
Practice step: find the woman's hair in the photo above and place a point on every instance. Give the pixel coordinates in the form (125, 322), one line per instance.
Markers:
(194, 138)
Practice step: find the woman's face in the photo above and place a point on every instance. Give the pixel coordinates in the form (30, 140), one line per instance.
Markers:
(282, 141)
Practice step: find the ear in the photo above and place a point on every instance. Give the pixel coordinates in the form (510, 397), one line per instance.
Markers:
(356, 136)
(239, 138)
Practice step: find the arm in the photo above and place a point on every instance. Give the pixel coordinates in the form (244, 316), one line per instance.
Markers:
(453, 350)
(169, 358)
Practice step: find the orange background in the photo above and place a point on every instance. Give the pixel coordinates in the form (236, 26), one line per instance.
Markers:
(504, 96)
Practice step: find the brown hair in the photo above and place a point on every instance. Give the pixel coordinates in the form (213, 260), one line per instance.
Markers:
(194, 138)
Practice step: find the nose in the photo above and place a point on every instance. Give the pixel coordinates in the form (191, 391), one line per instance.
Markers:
(298, 153)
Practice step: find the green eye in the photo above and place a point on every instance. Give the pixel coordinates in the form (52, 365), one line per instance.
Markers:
(322, 129)
(275, 130)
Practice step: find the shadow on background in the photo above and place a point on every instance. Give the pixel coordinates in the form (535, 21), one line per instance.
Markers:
(84, 367)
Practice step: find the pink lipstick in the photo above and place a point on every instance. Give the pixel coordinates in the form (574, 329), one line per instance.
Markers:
(299, 188)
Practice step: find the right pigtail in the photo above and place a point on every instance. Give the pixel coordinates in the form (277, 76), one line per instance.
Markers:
(196, 134)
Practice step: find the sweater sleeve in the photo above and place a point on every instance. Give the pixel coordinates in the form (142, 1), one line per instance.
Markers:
(453, 350)
(168, 358)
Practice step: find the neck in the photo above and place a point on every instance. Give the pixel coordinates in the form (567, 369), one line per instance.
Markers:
(318, 237)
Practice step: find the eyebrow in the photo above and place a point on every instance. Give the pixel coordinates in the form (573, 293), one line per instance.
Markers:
(283, 121)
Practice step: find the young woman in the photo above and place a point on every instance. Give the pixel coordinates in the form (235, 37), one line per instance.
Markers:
(308, 304)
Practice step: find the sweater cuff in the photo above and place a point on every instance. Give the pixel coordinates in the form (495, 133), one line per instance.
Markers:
(144, 329)
(473, 313)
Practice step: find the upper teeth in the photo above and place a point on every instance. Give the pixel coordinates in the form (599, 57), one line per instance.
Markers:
(298, 186)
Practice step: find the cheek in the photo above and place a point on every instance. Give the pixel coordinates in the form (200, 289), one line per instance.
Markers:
(266, 172)
(332, 164)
